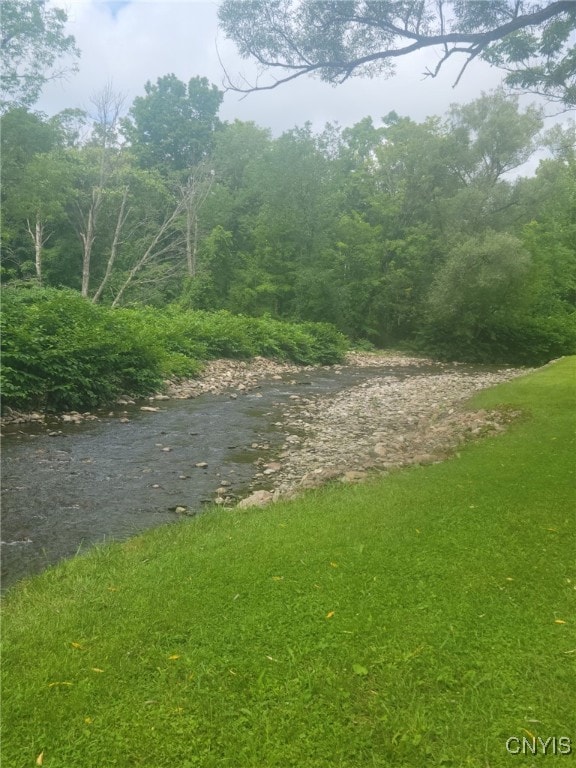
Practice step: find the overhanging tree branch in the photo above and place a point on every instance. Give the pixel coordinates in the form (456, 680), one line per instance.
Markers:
(363, 36)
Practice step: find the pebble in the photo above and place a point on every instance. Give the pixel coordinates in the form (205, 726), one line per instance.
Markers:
(382, 424)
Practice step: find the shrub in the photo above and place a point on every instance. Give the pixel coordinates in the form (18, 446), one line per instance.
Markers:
(62, 352)
(519, 340)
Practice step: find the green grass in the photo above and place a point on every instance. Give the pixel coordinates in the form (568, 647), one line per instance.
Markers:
(412, 621)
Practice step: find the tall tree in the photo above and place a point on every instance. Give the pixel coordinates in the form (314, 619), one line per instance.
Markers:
(172, 127)
(337, 40)
(493, 137)
(33, 188)
(108, 105)
(32, 42)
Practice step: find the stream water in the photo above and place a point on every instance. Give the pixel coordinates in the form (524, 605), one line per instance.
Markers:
(103, 479)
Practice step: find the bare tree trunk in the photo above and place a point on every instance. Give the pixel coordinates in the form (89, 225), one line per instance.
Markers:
(150, 252)
(194, 195)
(189, 245)
(122, 216)
(195, 247)
(39, 240)
(88, 238)
(108, 108)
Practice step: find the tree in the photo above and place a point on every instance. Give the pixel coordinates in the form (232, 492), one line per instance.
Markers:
(487, 139)
(550, 235)
(194, 194)
(494, 137)
(108, 105)
(338, 40)
(480, 276)
(42, 198)
(32, 41)
(172, 127)
(34, 179)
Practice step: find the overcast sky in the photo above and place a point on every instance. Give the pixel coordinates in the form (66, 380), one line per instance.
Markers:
(129, 43)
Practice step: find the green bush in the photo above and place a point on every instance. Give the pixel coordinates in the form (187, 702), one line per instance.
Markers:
(520, 340)
(534, 340)
(61, 352)
(222, 334)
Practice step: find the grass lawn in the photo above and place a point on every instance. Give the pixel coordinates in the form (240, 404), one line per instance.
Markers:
(418, 620)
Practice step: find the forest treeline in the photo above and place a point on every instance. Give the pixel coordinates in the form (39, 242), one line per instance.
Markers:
(405, 234)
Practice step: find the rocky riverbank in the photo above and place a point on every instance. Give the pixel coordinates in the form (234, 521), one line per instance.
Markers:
(218, 376)
(378, 426)
(375, 427)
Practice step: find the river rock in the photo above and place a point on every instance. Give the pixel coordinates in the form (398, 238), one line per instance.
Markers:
(353, 476)
(256, 499)
(386, 422)
(72, 418)
(318, 477)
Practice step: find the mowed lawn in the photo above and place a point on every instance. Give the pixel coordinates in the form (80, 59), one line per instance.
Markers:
(422, 619)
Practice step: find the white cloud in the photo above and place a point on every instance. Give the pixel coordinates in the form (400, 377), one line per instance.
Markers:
(129, 43)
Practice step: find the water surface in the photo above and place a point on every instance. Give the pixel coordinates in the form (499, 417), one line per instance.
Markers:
(104, 479)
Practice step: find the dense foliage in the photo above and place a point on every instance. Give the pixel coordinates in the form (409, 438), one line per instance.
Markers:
(421, 235)
(33, 45)
(532, 42)
(63, 352)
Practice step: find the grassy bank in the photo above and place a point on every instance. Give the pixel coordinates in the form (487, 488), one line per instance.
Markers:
(61, 352)
(420, 620)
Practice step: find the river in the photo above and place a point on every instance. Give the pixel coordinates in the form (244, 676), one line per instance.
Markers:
(102, 480)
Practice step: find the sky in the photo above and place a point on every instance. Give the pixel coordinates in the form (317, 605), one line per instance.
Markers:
(130, 42)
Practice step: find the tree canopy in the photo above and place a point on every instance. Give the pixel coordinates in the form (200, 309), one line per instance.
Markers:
(32, 42)
(397, 232)
(533, 42)
(173, 124)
